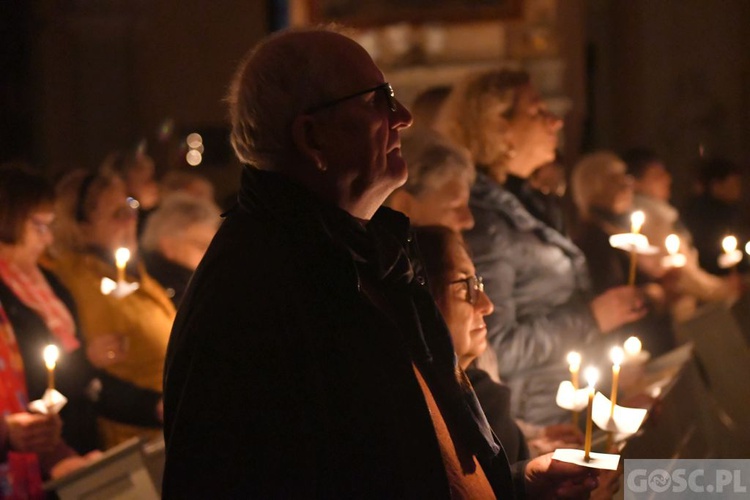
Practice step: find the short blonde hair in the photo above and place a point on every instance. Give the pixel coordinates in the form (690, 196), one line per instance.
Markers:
(590, 177)
(471, 115)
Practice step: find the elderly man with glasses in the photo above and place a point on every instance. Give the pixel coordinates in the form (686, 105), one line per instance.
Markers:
(308, 358)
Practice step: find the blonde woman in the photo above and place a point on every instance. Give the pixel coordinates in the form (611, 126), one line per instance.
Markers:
(535, 276)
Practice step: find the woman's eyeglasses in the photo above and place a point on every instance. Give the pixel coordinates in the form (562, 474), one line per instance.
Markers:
(474, 285)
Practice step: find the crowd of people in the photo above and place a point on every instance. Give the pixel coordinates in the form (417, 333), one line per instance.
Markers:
(383, 313)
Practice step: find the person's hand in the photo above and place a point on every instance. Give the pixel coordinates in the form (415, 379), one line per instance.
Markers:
(609, 484)
(32, 432)
(547, 478)
(68, 465)
(107, 349)
(618, 306)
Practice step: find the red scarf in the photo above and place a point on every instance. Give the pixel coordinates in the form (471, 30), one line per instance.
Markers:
(20, 476)
(37, 295)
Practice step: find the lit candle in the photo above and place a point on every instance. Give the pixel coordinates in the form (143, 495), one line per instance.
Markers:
(636, 223)
(122, 256)
(592, 375)
(673, 244)
(729, 244)
(574, 364)
(674, 259)
(747, 248)
(632, 346)
(731, 256)
(50, 354)
(617, 355)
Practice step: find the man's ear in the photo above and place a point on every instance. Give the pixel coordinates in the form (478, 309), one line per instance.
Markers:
(305, 135)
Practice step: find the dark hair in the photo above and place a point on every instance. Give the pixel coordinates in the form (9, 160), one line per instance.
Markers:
(22, 192)
(434, 243)
(711, 170)
(638, 160)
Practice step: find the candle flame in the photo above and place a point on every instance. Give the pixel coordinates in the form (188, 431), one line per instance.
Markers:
(747, 248)
(729, 244)
(617, 355)
(51, 354)
(591, 375)
(672, 243)
(122, 256)
(632, 346)
(637, 219)
(574, 360)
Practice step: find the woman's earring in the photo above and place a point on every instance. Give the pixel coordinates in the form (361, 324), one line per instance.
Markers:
(320, 165)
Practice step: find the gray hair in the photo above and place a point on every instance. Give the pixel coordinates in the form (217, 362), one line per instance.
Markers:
(590, 176)
(428, 155)
(278, 79)
(175, 215)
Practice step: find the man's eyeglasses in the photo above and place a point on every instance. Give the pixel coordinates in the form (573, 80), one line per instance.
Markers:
(474, 285)
(384, 88)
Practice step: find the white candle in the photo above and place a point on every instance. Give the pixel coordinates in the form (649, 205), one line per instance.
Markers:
(637, 219)
(616, 355)
(122, 256)
(729, 244)
(632, 346)
(51, 354)
(592, 375)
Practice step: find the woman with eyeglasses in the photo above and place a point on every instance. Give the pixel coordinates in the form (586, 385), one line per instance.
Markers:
(94, 219)
(37, 310)
(459, 294)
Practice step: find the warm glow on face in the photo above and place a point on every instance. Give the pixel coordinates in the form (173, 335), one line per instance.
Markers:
(729, 244)
(617, 355)
(632, 346)
(51, 353)
(574, 360)
(636, 221)
(591, 375)
(672, 243)
(122, 256)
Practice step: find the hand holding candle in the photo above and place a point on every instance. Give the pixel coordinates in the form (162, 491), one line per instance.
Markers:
(592, 375)
(51, 354)
(122, 256)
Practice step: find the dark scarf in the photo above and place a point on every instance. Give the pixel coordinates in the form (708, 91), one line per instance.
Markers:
(384, 255)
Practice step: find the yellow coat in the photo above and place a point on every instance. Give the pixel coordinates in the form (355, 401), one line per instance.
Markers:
(144, 318)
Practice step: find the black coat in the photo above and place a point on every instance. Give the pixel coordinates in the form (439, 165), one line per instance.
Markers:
(288, 376)
(75, 377)
(495, 401)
